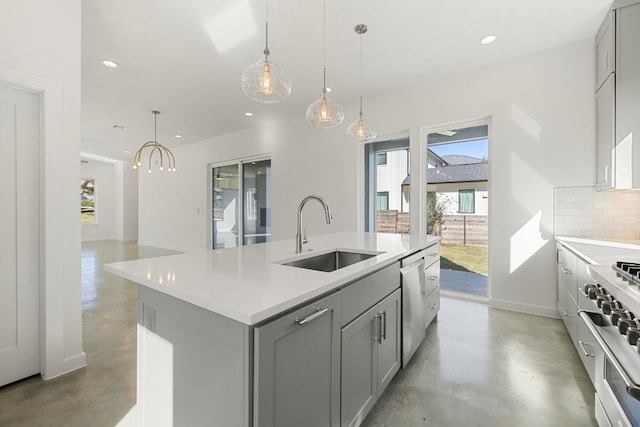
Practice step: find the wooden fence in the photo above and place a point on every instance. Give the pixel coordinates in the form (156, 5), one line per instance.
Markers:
(392, 222)
(465, 230)
(457, 229)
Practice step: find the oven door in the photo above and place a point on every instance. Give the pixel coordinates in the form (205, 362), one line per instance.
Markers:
(621, 407)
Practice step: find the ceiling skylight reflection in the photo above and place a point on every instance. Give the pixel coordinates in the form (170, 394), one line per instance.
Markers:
(232, 26)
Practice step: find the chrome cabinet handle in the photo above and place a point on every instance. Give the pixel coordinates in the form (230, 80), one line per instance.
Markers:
(433, 278)
(606, 173)
(607, 62)
(434, 306)
(319, 312)
(583, 345)
(564, 312)
(565, 270)
(433, 254)
(383, 328)
(376, 334)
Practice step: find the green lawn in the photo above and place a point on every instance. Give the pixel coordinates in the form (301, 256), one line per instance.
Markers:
(464, 258)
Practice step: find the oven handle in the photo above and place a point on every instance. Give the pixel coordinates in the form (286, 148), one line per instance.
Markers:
(632, 388)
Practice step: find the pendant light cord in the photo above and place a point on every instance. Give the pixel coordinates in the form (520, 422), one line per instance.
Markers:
(361, 72)
(266, 28)
(324, 47)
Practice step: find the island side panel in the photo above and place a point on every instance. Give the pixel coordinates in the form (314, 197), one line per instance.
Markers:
(193, 365)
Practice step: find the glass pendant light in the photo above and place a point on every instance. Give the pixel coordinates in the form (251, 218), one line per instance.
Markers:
(361, 131)
(265, 81)
(155, 147)
(325, 112)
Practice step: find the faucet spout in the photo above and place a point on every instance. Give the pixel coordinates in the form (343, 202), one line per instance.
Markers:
(327, 214)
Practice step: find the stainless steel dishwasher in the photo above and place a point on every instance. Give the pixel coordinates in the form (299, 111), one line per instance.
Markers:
(413, 312)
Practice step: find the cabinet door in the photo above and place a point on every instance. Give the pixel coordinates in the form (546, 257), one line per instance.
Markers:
(297, 367)
(605, 49)
(389, 345)
(569, 313)
(359, 367)
(605, 123)
(568, 271)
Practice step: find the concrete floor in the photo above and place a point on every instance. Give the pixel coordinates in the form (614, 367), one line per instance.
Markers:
(477, 367)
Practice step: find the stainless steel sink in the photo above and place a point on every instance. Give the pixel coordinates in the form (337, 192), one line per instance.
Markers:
(330, 261)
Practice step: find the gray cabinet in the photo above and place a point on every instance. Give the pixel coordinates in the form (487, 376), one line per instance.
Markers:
(618, 98)
(605, 136)
(370, 358)
(297, 367)
(567, 266)
(605, 49)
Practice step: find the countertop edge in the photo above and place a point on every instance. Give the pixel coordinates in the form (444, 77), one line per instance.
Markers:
(275, 310)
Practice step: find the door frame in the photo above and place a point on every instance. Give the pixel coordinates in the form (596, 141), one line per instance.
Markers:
(240, 162)
(424, 132)
(54, 331)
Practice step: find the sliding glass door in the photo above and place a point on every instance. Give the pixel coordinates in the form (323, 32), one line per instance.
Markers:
(241, 203)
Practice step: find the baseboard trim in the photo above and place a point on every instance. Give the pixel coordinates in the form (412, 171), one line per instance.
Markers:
(70, 364)
(525, 308)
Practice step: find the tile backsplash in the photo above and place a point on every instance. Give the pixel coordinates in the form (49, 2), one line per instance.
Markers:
(585, 212)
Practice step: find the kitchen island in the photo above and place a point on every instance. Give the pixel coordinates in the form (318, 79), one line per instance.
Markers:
(235, 337)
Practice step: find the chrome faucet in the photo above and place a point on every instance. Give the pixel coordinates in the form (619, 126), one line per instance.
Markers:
(327, 214)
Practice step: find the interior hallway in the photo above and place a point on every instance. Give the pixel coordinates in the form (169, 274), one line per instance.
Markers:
(477, 367)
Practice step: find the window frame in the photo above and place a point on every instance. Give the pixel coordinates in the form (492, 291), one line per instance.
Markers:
(471, 191)
(381, 155)
(383, 194)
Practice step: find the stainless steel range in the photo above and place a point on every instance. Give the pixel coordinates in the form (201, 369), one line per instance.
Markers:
(611, 313)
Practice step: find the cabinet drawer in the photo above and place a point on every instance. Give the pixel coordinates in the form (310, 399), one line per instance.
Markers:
(432, 306)
(588, 348)
(364, 293)
(432, 254)
(432, 277)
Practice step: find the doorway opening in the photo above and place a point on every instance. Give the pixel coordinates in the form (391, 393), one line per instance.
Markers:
(458, 206)
(241, 203)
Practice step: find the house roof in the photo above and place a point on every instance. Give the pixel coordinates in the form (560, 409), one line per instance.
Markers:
(459, 159)
(458, 173)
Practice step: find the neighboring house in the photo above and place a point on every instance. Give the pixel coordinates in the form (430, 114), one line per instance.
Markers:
(392, 169)
(464, 185)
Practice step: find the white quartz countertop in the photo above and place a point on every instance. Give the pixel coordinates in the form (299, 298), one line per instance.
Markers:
(249, 285)
(602, 254)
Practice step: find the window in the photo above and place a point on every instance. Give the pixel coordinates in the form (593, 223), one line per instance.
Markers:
(386, 169)
(382, 201)
(87, 201)
(466, 201)
(241, 198)
(431, 197)
(381, 158)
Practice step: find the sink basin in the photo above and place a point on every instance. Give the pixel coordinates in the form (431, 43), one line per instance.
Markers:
(331, 261)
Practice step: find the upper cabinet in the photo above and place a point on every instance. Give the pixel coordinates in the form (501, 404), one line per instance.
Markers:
(605, 49)
(618, 98)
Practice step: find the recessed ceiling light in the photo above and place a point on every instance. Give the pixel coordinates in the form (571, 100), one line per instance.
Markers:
(177, 136)
(109, 63)
(119, 127)
(127, 151)
(248, 114)
(488, 39)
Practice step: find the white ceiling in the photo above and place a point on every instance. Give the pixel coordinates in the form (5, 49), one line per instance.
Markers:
(169, 62)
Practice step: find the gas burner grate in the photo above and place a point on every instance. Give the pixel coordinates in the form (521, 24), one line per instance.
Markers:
(628, 271)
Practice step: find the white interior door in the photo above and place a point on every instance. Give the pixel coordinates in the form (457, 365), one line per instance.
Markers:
(19, 235)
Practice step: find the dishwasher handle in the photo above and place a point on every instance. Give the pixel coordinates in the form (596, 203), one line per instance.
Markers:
(406, 272)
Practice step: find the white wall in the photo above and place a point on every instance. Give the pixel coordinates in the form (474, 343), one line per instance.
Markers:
(541, 136)
(40, 49)
(116, 190)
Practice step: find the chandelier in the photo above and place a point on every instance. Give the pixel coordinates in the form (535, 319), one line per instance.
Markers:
(155, 147)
